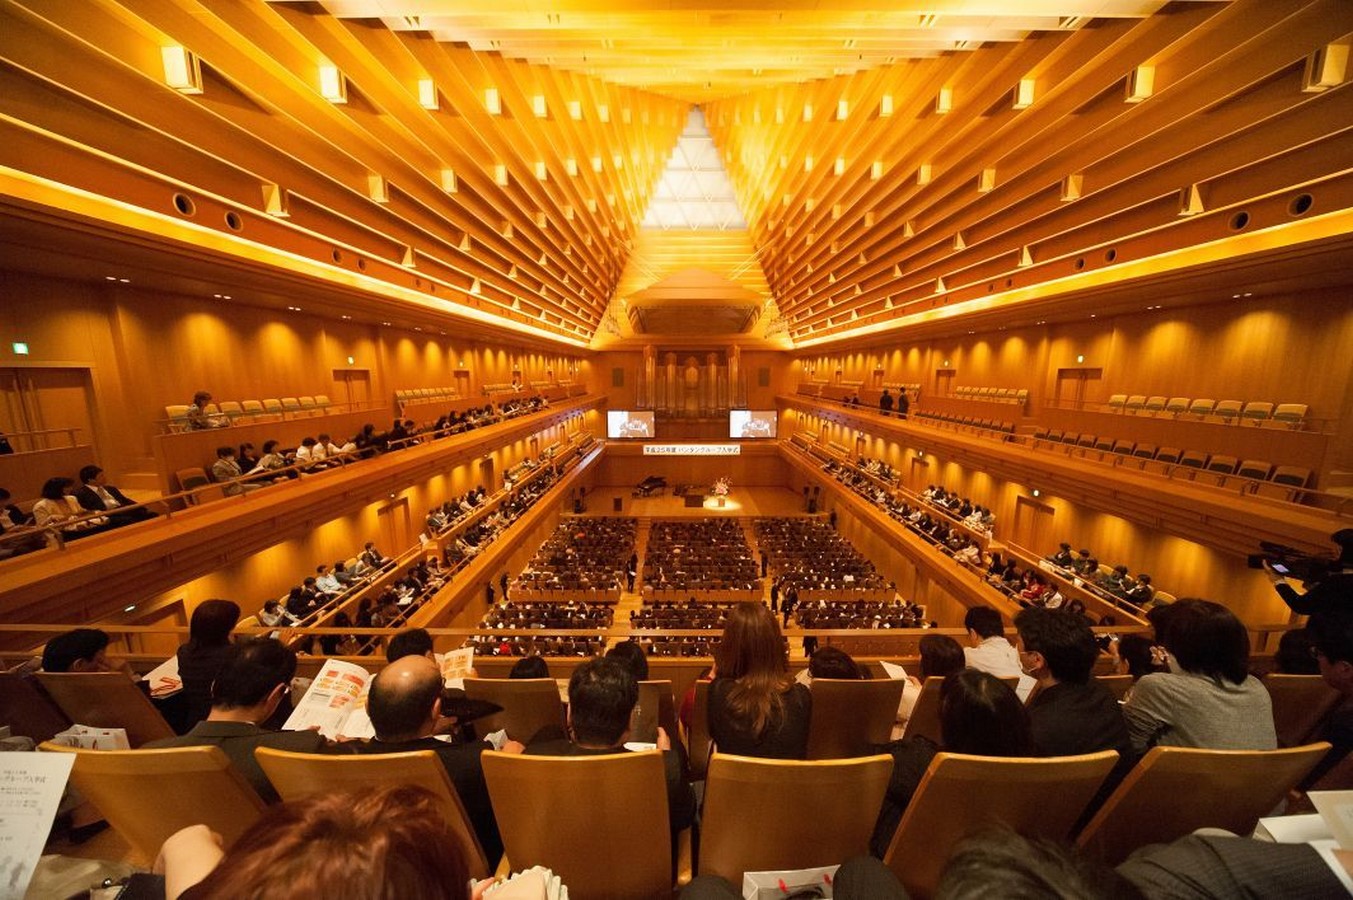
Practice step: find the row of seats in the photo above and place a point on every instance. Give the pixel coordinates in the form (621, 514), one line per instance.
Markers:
(965, 421)
(426, 395)
(1255, 412)
(1230, 471)
(992, 394)
(243, 412)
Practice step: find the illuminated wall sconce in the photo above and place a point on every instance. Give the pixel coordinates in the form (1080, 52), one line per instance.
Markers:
(1080, 357)
(944, 100)
(1327, 67)
(427, 94)
(840, 167)
(807, 112)
(876, 170)
(575, 110)
(1141, 84)
(1036, 492)
(603, 113)
(1071, 187)
(182, 69)
(351, 360)
(500, 177)
(333, 84)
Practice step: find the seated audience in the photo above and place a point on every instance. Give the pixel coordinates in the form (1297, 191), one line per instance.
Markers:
(755, 707)
(226, 472)
(384, 842)
(632, 657)
(1331, 634)
(602, 695)
(988, 650)
(409, 642)
(941, 656)
(1072, 713)
(16, 526)
(405, 706)
(1208, 699)
(1136, 656)
(58, 510)
(1297, 655)
(201, 658)
(82, 650)
(197, 417)
(979, 715)
(274, 614)
(97, 495)
(833, 663)
(254, 678)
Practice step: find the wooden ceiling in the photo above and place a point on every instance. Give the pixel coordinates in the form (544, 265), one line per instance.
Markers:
(488, 166)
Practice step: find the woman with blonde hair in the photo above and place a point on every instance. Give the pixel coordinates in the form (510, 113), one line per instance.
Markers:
(755, 707)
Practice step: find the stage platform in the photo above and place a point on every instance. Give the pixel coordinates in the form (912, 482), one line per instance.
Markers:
(741, 502)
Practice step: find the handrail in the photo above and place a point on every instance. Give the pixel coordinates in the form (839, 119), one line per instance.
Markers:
(70, 432)
(189, 498)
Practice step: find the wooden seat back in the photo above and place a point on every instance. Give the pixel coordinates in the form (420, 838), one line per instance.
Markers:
(147, 795)
(27, 710)
(297, 775)
(960, 795)
(598, 822)
(529, 704)
(1174, 791)
(766, 814)
(1300, 704)
(851, 717)
(699, 744)
(106, 700)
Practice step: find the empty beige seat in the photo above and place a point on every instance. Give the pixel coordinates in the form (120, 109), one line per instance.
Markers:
(177, 416)
(1192, 459)
(1254, 468)
(1123, 448)
(195, 479)
(1168, 455)
(1071, 437)
(322, 401)
(253, 407)
(1135, 403)
(1085, 440)
(1144, 451)
(233, 409)
(307, 403)
(1117, 402)
(1104, 444)
(1227, 410)
(1202, 407)
(291, 406)
(1300, 704)
(1293, 415)
(106, 700)
(273, 407)
(1257, 411)
(1222, 465)
(529, 704)
(1155, 405)
(1177, 405)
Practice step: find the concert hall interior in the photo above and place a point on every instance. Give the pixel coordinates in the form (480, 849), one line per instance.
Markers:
(1105, 255)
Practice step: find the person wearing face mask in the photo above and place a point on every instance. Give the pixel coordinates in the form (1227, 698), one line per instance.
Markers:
(1207, 699)
(1071, 713)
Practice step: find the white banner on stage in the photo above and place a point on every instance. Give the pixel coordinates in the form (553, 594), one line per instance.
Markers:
(692, 449)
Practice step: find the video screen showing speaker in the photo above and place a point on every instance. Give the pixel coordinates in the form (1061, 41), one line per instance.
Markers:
(622, 424)
(751, 423)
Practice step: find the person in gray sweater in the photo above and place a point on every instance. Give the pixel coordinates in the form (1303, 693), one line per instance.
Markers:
(1208, 699)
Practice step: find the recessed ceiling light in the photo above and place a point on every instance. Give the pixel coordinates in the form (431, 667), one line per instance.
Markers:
(294, 308)
(386, 324)
(129, 281)
(110, 278)
(346, 317)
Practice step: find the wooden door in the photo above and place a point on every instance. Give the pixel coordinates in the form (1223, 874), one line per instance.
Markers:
(39, 399)
(352, 387)
(1033, 524)
(396, 527)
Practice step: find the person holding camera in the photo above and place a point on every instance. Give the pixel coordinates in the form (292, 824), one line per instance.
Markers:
(1326, 588)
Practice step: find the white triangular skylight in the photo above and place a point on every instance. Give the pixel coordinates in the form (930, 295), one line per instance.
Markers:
(695, 191)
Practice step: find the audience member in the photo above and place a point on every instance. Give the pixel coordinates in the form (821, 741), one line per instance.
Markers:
(405, 706)
(988, 649)
(1331, 633)
(602, 695)
(755, 707)
(226, 472)
(197, 417)
(376, 843)
(1207, 699)
(1135, 656)
(97, 495)
(632, 657)
(254, 678)
(533, 666)
(81, 650)
(274, 614)
(17, 528)
(1296, 653)
(409, 642)
(58, 510)
(201, 658)
(1072, 713)
(941, 656)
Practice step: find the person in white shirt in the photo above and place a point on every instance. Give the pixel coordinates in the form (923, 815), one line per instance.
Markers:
(332, 450)
(325, 582)
(988, 649)
(273, 614)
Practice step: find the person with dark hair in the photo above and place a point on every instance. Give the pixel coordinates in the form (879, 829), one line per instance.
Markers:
(1072, 713)
(941, 656)
(1136, 656)
(1333, 588)
(987, 649)
(409, 642)
(755, 707)
(833, 662)
(979, 715)
(1207, 699)
(18, 529)
(372, 843)
(1063, 558)
(248, 458)
(204, 654)
(97, 495)
(273, 463)
(197, 418)
(81, 650)
(632, 656)
(254, 678)
(405, 705)
(533, 666)
(602, 694)
(58, 510)
(1331, 637)
(226, 472)
(1296, 654)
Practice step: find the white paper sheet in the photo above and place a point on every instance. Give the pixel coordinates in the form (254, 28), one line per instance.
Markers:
(337, 693)
(31, 785)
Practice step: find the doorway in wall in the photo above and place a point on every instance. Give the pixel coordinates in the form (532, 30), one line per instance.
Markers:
(38, 404)
(1077, 387)
(352, 387)
(395, 526)
(1033, 524)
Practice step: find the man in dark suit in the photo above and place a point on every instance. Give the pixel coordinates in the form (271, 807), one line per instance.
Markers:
(405, 706)
(253, 681)
(602, 695)
(97, 495)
